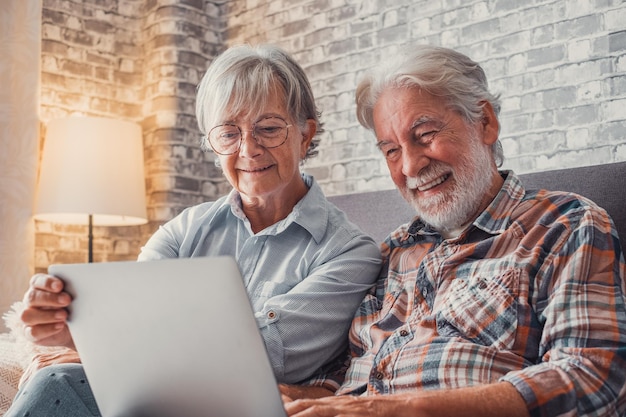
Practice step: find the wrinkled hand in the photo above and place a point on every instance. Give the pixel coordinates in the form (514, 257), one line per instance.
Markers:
(503, 400)
(290, 393)
(348, 406)
(45, 314)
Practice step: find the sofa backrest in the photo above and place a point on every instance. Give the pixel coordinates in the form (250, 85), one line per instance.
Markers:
(380, 212)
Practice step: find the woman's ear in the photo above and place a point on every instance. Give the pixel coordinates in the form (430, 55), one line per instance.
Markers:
(489, 124)
(307, 137)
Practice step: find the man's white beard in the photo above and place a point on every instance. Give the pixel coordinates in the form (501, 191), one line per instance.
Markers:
(458, 205)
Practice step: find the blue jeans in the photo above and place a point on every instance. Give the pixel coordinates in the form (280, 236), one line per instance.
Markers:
(55, 391)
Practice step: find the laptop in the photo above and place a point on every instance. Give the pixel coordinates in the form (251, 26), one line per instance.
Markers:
(170, 338)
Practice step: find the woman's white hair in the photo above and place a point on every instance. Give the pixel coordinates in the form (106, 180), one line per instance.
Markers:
(442, 72)
(243, 77)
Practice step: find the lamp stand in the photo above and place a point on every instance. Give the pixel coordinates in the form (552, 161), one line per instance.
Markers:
(90, 256)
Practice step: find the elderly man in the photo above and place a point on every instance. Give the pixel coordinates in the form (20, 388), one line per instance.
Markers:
(495, 300)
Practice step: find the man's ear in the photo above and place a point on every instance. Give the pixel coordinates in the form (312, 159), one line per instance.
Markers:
(489, 124)
(307, 137)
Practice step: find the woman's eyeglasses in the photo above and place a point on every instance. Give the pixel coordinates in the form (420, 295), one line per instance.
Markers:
(269, 132)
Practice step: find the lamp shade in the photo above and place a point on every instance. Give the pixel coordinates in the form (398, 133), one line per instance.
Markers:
(92, 166)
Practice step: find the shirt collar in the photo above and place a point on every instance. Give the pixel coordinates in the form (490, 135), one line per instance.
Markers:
(496, 218)
(311, 212)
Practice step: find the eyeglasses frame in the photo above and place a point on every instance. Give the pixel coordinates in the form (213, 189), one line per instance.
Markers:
(241, 132)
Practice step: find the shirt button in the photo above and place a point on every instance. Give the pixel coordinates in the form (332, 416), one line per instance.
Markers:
(271, 315)
(404, 333)
(425, 292)
(379, 375)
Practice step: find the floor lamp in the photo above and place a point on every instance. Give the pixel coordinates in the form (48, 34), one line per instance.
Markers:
(92, 173)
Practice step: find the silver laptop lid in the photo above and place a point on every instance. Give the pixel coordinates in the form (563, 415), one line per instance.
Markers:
(169, 338)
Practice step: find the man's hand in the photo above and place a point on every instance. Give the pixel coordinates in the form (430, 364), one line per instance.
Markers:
(350, 406)
(45, 314)
(491, 400)
(295, 392)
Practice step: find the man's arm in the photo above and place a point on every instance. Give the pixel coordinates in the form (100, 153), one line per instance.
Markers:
(493, 400)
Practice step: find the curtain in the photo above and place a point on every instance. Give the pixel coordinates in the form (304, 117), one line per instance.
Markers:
(20, 50)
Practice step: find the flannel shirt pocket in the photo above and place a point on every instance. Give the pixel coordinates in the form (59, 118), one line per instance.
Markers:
(482, 309)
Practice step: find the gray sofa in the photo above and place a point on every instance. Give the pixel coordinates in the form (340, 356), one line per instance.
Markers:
(379, 212)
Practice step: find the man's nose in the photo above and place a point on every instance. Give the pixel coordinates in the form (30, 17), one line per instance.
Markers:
(413, 161)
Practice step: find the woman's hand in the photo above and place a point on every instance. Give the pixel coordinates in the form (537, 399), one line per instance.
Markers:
(45, 314)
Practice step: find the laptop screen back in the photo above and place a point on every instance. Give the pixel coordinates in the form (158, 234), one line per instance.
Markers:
(169, 338)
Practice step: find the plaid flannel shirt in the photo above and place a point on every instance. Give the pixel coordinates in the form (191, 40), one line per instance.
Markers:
(532, 293)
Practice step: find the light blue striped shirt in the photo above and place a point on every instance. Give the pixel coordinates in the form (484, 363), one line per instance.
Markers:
(305, 275)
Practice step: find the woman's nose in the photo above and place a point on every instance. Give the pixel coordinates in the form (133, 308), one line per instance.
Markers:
(249, 146)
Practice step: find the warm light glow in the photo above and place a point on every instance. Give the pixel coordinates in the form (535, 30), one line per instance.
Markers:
(92, 165)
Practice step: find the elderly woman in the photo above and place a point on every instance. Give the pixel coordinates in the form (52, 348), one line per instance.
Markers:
(306, 267)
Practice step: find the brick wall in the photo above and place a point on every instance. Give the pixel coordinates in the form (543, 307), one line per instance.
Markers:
(89, 66)
(139, 61)
(560, 67)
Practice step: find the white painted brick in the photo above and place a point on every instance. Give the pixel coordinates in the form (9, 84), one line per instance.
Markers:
(543, 163)
(449, 38)
(621, 64)
(575, 8)
(338, 135)
(542, 120)
(73, 22)
(367, 8)
(49, 64)
(578, 71)
(450, 17)
(614, 18)
(532, 101)
(390, 18)
(620, 152)
(511, 104)
(51, 32)
(517, 64)
(579, 50)
(480, 10)
(614, 109)
(578, 138)
(510, 146)
(513, 22)
(319, 20)
(590, 91)
(420, 28)
(209, 188)
(338, 172)
(75, 54)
